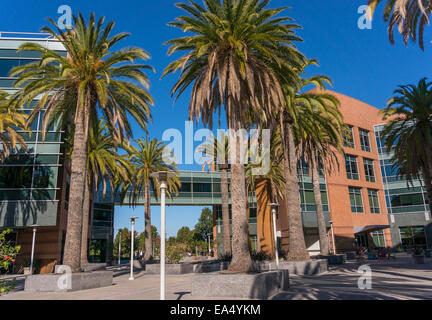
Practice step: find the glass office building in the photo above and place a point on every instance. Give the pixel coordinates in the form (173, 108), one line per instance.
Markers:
(31, 180)
(408, 208)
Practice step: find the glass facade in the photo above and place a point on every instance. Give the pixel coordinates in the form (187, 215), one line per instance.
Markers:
(407, 203)
(28, 178)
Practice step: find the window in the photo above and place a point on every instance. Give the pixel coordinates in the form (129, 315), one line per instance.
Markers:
(364, 140)
(369, 170)
(349, 138)
(373, 201)
(378, 239)
(201, 187)
(413, 199)
(413, 236)
(351, 167)
(355, 199)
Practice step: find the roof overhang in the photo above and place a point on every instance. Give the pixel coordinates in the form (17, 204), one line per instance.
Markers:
(370, 228)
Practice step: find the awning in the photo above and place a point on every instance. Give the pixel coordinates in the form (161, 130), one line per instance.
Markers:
(371, 228)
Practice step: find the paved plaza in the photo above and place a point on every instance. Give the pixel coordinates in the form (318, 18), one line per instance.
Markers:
(391, 279)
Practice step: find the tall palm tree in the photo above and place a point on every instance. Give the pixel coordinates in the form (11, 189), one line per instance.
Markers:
(217, 153)
(11, 119)
(234, 57)
(408, 133)
(319, 136)
(409, 16)
(93, 78)
(105, 167)
(147, 158)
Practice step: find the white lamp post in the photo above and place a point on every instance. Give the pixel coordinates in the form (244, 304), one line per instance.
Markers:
(119, 249)
(273, 209)
(162, 177)
(209, 243)
(132, 248)
(33, 246)
(333, 239)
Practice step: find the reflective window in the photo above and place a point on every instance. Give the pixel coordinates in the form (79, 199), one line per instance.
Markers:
(373, 201)
(349, 138)
(364, 140)
(355, 199)
(369, 170)
(351, 167)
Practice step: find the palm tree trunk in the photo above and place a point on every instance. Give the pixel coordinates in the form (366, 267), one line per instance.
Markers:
(322, 229)
(147, 217)
(241, 259)
(225, 211)
(296, 246)
(72, 251)
(85, 224)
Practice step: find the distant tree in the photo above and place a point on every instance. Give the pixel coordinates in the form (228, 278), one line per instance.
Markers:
(125, 243)
(185, 235)
(205, 224)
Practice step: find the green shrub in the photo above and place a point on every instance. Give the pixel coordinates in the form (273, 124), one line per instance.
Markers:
(176, 251)
(8, 254)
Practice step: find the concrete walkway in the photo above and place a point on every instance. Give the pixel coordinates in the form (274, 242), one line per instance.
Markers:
(391, 279)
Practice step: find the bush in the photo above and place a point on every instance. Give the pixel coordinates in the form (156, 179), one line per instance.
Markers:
(176, 251)
(7, 257)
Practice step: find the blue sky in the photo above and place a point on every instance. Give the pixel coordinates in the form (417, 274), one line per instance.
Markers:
(361, 63)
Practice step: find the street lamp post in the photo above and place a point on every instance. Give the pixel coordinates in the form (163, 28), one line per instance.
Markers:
(162, 177)
(132, 248)
(33, 246)
(209, 243)
(119, 248)
(273, 209)
(333, 239)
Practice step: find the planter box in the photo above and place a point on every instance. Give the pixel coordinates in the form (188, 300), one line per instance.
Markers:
(255, 286)
(334, 258)
(418, 259)
(93, 267)
(62, 282)
(301, 268)
(190, 267)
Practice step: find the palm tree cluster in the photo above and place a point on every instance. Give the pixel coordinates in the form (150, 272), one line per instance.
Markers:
(239, 59)
(241, 56)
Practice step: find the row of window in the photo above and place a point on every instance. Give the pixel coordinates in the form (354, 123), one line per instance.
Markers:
(364, 139)
(352, 168)
(356, 200)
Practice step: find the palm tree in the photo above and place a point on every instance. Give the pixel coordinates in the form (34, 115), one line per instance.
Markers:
(235, 54)
(94, 79)
(10, 120)
(319, 136)
(408, 133)
(104, 166)
(268, 185)
(146, 159)
(215, 149)
(410, 17)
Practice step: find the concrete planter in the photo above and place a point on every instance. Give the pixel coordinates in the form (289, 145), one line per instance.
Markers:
(301, 268)
(419, 259)
(63, 282)
(190, 267)
(255, 286)
(334, 258)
